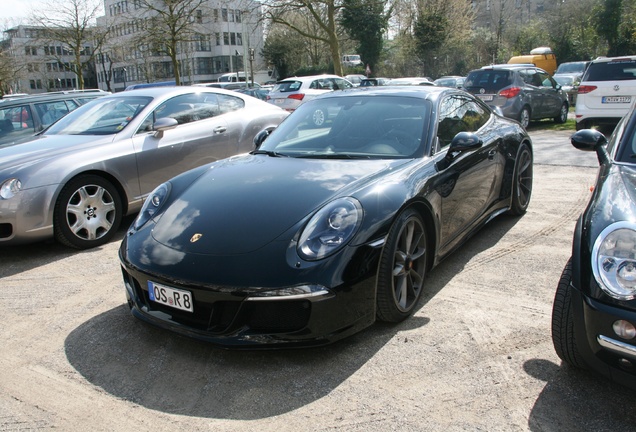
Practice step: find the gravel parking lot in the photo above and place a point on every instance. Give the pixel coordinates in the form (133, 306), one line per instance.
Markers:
(477, 354)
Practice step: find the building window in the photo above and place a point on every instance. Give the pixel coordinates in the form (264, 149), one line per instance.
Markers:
(237, 14)
(224, 14)
(29, 50)
(217, 37)
(226, 38)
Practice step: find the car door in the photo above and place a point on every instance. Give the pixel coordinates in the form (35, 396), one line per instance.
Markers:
(201, 136)
(551, 95)
(534, 95)
(469, 185)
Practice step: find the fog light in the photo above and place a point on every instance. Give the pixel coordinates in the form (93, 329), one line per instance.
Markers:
(625, 364)
(624, 329)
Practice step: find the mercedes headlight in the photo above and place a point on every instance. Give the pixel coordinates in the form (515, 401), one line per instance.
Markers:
(330, 229)
(152, 205)
(614, 260)
(9, 188)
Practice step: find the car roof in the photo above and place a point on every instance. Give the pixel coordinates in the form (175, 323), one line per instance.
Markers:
(310, 77)
(424, 92)
(52, 96)
(176, 90)
(610, 59)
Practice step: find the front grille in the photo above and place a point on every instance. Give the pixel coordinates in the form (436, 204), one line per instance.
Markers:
(277, 316)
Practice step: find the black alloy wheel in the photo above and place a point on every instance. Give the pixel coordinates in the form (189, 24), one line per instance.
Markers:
(402, 268)
(522, 182)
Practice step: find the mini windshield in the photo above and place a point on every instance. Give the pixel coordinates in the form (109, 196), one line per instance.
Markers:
(354, 127)
(103, 116)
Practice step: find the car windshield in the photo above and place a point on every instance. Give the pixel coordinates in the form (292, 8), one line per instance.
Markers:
(620, 69)
(355, 127)
(103, 116)
(571, 68)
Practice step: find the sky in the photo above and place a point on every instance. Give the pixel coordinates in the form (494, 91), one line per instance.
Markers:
(16, 10)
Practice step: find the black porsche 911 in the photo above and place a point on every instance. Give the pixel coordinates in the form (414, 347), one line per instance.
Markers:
(321, 230)
(594, 310)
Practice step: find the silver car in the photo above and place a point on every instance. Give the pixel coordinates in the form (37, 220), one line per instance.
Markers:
(76, 180)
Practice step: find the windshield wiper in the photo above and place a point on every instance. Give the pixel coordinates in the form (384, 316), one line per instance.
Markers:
(269, 153)
(334, 156)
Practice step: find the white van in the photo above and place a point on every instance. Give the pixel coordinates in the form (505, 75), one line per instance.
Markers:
(351, 60)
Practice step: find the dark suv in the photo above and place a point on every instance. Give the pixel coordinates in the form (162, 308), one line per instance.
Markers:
(521, 92)
(23, 116)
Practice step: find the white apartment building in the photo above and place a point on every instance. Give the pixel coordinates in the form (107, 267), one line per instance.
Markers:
(41, 65)
(223, 34)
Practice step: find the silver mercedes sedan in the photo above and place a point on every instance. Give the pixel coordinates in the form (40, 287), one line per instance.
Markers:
(79, 178)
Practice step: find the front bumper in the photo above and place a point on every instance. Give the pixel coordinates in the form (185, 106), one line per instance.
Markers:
(601, 348)
(239, 317)
(28, 216)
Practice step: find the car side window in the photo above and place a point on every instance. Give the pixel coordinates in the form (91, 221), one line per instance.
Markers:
(229, 103)
(342, 84)
(49, 112)
(187, 108)
(457, 114)
(545, 79)
(17, 118)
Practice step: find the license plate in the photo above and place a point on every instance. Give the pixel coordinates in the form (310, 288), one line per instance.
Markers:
(617, 99)
(485, 98)
(279, 101)
(175, 298)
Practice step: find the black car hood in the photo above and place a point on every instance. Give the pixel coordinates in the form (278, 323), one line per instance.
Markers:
(243, 203)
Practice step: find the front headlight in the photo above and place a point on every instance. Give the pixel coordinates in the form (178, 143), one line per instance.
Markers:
(9, 188)
(614, 260)
(330, 229)
(152, 205)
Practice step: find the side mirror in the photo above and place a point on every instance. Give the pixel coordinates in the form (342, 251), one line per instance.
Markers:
(591, 140)
(164, 124)
(260, 137)
(463, 142)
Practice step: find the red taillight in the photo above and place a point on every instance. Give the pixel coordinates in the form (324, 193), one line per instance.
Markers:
(267, 97)
(510, 92)
(298, 96)
(586, 89)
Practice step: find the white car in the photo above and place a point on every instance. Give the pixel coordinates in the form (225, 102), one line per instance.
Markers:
(607, 92)
(291, 92)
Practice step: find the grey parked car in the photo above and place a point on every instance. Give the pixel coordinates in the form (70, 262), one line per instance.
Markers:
(24, 116)
(521, 92)
(78, 178)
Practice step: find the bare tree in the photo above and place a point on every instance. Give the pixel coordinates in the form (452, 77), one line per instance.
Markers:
(324, 13)
(72, 23)
(169, 25)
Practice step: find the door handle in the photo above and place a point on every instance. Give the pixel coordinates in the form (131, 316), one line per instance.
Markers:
(219, 130)
(491, 154)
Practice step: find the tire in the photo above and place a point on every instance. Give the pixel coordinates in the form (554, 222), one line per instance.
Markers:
(402, 268)
(522, 182)
(583, 124)
(319, 117)
(563, 114)
(87, 213)
(563, 335)
(524, 117)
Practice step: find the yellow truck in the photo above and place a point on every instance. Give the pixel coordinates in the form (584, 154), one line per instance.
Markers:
(541, 57)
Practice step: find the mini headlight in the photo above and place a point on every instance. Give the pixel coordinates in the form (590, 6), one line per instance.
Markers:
(330, 229)
(614, 260)
(152, 205)
(9, 188)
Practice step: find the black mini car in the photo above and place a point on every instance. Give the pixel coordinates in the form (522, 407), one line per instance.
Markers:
(594, 311)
